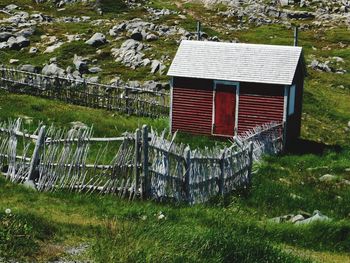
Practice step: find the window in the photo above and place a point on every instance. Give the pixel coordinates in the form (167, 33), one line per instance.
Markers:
(291, 103)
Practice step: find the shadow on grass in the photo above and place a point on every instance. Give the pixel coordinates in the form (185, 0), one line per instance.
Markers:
(302, 146)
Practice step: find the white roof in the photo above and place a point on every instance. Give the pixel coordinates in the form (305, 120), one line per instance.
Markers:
(236, 62)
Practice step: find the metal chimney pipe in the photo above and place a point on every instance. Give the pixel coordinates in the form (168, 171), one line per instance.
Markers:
(198, 30)
(296, 29)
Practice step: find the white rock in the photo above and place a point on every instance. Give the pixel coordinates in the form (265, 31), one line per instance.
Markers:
(30, 184)
(328, 178)
(52, 48)
(13, 61)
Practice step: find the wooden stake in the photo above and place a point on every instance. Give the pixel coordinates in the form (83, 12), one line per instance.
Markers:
(36, 154)
(146, 187)
(137, 160)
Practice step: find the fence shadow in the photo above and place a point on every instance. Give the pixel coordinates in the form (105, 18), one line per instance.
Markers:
(303, 146)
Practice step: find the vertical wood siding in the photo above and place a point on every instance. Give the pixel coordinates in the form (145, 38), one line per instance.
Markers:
(192, 105)
(259, 104)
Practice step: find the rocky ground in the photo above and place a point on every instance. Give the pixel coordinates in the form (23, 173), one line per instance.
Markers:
(138, 41)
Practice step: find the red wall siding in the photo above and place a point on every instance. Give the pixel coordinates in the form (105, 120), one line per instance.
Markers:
(259, 104)
(192, 105)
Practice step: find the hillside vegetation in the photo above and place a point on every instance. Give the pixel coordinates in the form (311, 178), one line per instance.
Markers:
(67, 227)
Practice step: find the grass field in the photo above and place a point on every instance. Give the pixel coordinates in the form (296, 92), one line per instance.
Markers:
(46, 226)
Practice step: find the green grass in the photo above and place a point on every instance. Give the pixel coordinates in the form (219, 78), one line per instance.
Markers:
(234, 228)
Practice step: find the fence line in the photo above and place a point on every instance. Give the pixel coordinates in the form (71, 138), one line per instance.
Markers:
(146, 165)
(135, 101)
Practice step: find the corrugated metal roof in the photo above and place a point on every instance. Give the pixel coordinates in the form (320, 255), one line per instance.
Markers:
(236, 62)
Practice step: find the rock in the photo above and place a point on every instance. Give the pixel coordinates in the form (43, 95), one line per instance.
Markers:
(343, 9)
(10, 7)
(157, 66)
(93, 79)
(30, 184)
(53, 47)
(136, 36)
(4, 36)
(3, 45)
(17, 43)
(80, 64)
(95, 70)
(27, 32)
(146, 62)
(316, 65)
(317, 216)
(13, 61)
(328, 178)
(78, 125)
(151, 37)
(52, 69)
(297, 218)
(53, 60)
(97, 39)
(28, 68)
(33, 50)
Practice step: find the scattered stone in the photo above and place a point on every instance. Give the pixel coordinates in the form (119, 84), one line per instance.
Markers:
(317, 216)
(78, 125)
(328, 178)
(301, 218)
(33, 50)
(13, 61)
(10, 7)
(96, 40)
(26, 32)
(28, 68)
(157, 66)
(80, 64)
(53, 70)
(152, 37)
(136, 36)
(53, 47)
(93, 79)
(95, 69)
(17, 43)
(53, 60)
(4, 36)
(29, 184)
(297, 218)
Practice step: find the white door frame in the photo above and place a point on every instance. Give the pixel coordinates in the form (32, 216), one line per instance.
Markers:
(228, 83)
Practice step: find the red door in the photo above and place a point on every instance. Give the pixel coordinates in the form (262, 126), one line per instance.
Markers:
(225, 107)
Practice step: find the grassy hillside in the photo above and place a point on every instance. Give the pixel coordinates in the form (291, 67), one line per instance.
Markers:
(78, 227)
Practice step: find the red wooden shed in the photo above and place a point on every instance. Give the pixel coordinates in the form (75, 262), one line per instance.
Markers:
(224, 89)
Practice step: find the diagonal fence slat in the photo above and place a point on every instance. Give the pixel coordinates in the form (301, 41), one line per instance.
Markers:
(130, 100)
(146, 164)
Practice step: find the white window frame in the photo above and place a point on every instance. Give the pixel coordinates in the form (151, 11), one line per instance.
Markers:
(291, 100)
(237, 86)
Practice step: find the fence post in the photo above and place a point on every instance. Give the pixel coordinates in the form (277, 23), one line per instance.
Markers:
(35, 161)
(137, 160)
(188, 172)
(221, 176)
(250, 165)
(146, 184)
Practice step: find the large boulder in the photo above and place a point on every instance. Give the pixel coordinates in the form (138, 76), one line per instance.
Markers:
(80, 64)
(4, 36)
(52, 70)
(18, 43)
(96, 40)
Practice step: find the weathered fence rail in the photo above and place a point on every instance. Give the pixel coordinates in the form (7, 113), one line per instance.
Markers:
(135, 101)
(146, 165)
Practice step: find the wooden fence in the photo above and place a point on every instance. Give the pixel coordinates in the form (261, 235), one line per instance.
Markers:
(146, 165)
(135, 101)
